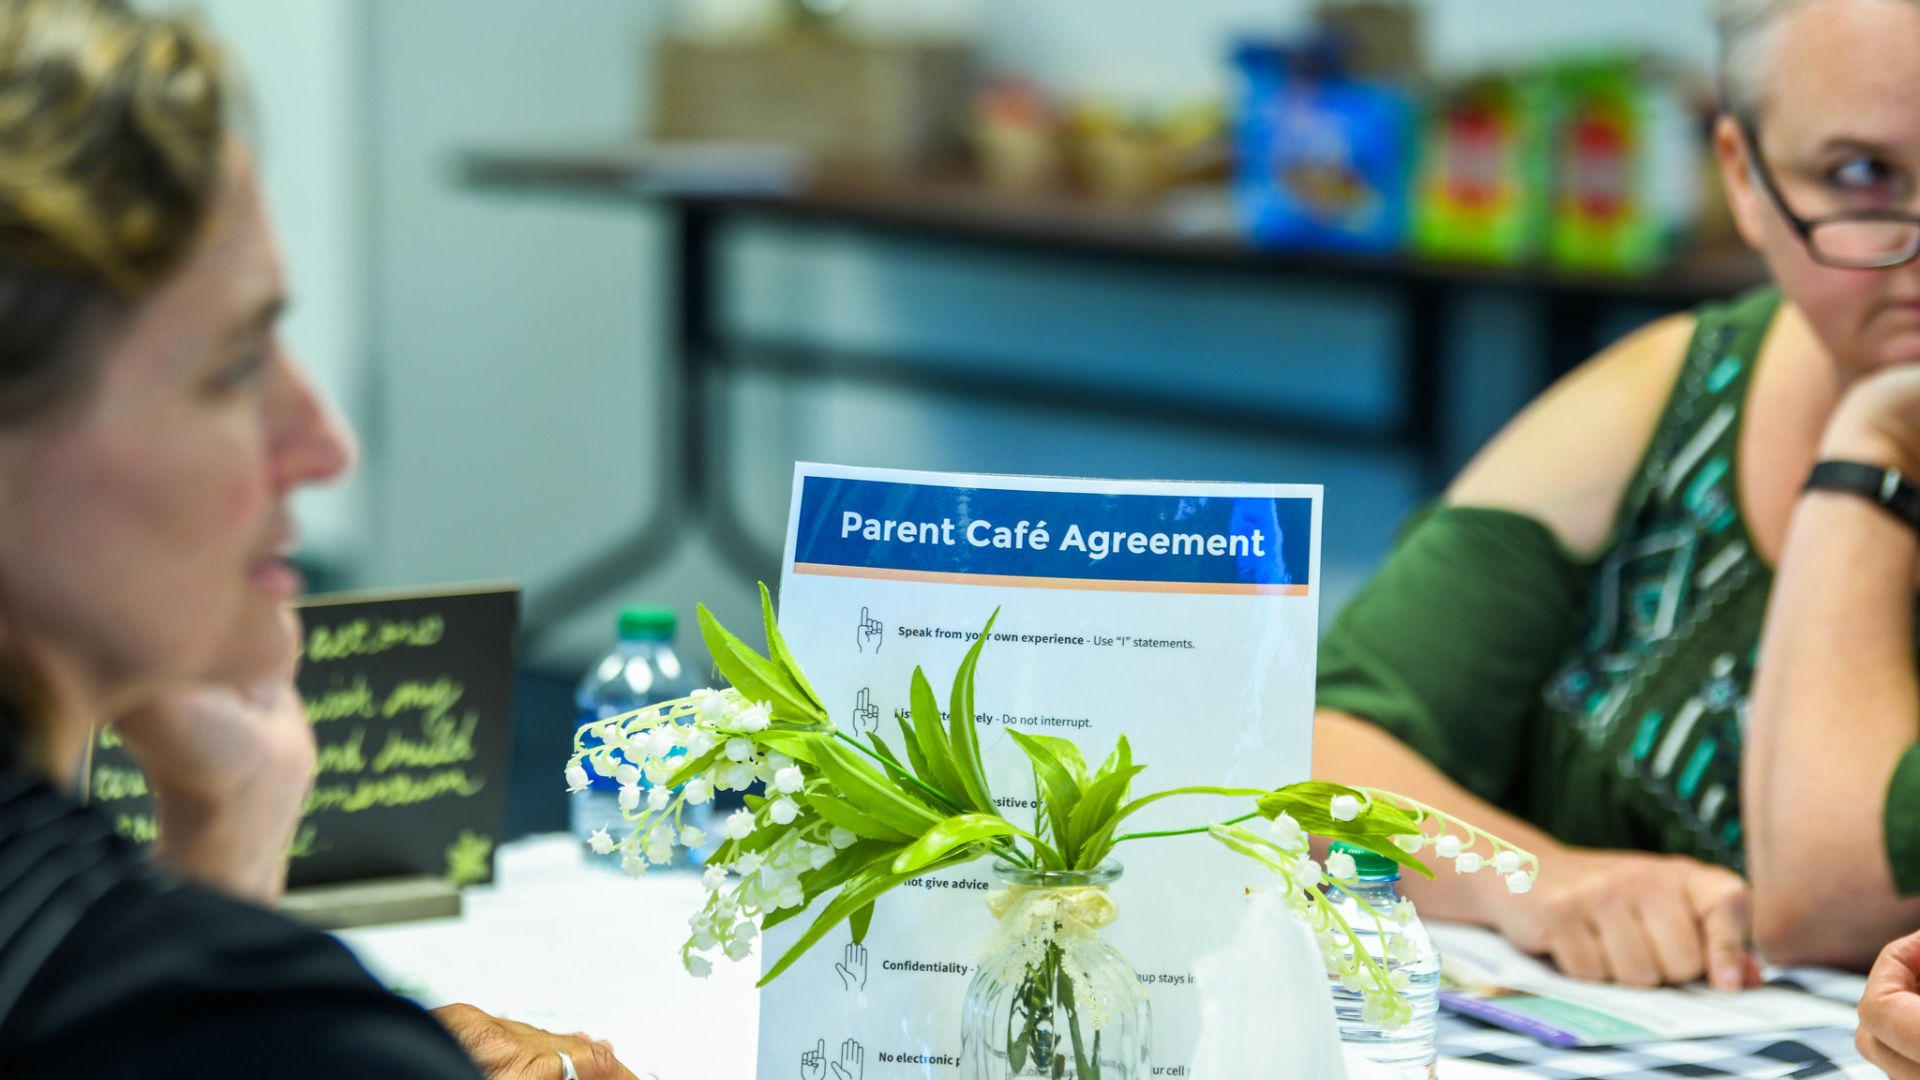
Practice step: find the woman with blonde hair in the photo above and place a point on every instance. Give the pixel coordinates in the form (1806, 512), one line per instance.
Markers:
(1661, 629)
(152, 427)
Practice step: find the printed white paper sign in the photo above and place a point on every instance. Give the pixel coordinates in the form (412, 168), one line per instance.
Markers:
(1182, 615)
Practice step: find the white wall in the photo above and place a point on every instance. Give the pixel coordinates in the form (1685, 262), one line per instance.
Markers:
(302, 61)
(513, 343)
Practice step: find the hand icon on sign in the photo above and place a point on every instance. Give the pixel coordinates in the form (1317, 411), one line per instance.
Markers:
(853, 1062)
(866, 715)
(853, 970)
(870, 632)
(813, 1063)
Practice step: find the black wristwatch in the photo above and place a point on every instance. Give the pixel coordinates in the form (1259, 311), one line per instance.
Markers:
(1888, 488)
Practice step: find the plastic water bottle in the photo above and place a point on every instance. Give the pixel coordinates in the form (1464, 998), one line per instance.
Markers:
(1406, 1052)
(641, 670)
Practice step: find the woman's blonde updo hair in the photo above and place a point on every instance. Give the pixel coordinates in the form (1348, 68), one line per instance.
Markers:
(112, 138)
(112, 135)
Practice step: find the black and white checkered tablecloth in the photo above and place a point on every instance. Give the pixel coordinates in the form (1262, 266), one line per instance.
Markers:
(1819, 1052)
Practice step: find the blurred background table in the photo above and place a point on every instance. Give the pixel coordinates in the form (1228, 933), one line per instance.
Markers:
(707, 190)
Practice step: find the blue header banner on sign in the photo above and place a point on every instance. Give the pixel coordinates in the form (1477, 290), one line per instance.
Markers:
(1060, 539)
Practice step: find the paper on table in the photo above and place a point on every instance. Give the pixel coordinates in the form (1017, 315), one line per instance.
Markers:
(1489, 979)
(1184, 616)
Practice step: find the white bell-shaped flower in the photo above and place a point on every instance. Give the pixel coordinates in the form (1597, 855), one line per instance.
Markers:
(739, 824)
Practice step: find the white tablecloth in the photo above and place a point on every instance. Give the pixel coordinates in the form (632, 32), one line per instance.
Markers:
(573, 945)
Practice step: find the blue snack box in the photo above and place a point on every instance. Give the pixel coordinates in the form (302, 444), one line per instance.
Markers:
(1324, 161)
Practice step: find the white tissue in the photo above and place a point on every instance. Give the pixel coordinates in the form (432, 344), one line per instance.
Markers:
(1265, 1007)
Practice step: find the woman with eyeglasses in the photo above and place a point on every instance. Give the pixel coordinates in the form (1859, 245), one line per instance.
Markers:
(1661, 629)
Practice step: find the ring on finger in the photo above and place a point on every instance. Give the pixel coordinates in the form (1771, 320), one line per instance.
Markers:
(567, 1071)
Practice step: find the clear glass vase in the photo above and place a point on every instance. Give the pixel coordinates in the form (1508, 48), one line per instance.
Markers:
(1052, 999)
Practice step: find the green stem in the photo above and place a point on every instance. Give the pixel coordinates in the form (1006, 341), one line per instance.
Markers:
(1235, 793)
(1362, 957)
(1118, 840)
(1006, 849)
(1142, 803)
(1474, 835)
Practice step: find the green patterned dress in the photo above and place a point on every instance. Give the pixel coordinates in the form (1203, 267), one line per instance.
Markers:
(1604, 700)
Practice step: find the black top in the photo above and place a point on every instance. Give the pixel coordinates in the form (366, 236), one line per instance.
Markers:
(108, 968)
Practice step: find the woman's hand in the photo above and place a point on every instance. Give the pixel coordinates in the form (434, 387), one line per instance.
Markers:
(1636, 919)
(230, 773)
(509, 1050)
(230, 769)
(1889, 1034)
(1878, 421)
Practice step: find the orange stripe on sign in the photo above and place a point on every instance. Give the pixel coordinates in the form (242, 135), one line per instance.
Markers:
(874, 573)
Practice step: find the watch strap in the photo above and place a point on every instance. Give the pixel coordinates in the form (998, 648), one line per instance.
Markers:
(1890, 489)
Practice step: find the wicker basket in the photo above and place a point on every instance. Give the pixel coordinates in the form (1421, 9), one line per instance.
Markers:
(894, 106)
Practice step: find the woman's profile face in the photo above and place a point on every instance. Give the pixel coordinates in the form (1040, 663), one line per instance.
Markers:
(142, 528)
(1838, 126)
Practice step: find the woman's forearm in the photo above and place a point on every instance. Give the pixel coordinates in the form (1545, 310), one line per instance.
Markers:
(1352, 751)
(1835, 704)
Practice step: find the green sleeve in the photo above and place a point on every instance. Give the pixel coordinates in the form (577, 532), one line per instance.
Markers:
(1449, 646)
(1902, 821)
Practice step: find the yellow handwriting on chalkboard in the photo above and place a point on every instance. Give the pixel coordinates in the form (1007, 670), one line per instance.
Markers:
(433, 697)
(139, 828)
(343, 700)
(399, 789)
(346, 756)
(371, 637)
(112, 783)
(305, 842)
(442, 741)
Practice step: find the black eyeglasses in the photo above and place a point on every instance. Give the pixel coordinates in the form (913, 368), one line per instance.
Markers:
(1855, 240)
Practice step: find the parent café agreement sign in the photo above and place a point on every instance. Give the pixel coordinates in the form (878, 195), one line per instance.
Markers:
(1182, 615)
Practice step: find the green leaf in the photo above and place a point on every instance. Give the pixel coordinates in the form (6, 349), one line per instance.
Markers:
(911, 741)
(963, 731)
(845, 864)
(933, 739)
(1058, 772)
(837, 811)
(757, 678)
(817, 883)
(777, 646)
(1061, 750)
(1097, 814)
(881, 748)
(869, 884)
(774, 918)
(959, 831)
(1120, 757)
(1309, 804)
(858, 923)
(798, 745)
(871, 793)
(908, 780)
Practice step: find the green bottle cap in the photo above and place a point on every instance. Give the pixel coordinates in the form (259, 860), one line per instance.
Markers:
(1369, 865)
(647, 624)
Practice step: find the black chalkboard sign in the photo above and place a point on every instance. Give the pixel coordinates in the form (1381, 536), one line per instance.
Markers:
(411, 702)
